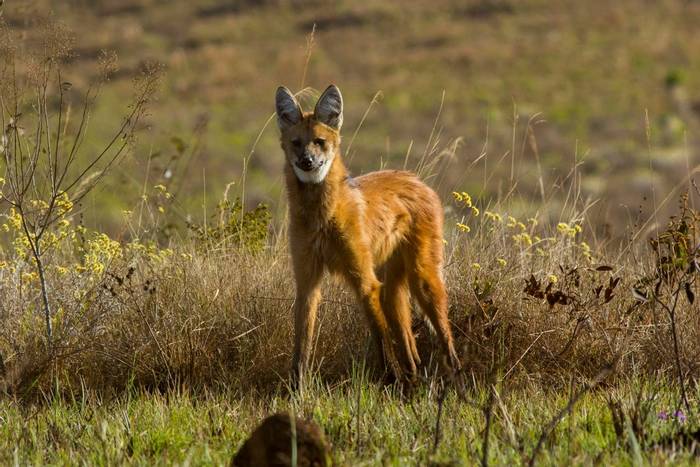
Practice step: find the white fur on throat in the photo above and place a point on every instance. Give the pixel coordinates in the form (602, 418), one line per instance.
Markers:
(313, 176)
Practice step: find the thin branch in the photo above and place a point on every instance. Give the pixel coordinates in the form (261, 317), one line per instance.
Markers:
(488, 413)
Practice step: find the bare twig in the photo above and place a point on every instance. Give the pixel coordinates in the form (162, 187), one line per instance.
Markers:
(488, 414)
(438, 417)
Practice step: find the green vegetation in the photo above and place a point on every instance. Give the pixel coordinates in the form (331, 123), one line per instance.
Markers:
(366, 423)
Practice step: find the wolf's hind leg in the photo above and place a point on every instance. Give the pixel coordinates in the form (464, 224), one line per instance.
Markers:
(428, 287)
(397, 307)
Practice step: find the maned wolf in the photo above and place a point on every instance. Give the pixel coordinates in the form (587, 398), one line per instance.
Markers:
(385, 224)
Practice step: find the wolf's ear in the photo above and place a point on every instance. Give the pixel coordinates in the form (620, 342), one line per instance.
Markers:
(287, 107)
(329, 108)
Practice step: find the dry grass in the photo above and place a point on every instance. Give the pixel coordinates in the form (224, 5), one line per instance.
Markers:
(209, 305)
(222, 318)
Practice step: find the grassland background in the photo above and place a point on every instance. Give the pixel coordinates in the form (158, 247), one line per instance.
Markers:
(581, 75)
(173, 348)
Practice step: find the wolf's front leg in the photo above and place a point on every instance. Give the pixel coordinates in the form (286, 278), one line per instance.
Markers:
(360, 274)
(308, 281)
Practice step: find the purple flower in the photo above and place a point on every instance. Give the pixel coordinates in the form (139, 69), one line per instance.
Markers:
(680, 416)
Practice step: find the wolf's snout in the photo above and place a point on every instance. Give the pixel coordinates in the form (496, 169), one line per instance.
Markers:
(305, 162)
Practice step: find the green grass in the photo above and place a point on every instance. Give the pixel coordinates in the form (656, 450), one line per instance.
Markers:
(366, 424)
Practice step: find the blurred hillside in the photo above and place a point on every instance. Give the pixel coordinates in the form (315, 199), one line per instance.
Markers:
(532, 90)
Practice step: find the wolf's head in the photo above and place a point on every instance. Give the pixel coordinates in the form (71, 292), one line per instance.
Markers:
(310, 140)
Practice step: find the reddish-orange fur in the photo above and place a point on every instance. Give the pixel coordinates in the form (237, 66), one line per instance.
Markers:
(382, 232)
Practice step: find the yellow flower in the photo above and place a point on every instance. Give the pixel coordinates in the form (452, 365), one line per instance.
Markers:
(552, 278)
(14, 219)
(63, 203)
(161, 209)
(494, 216)
(38, 203)
(463, 227)
(475, 211)
(501, 262)
(21, 245)
(586, 251)
(476, 266)
(467, 200)
(463, 197)
(29, 276)
(512, 221)
(160, 187)
(523, 237)
(100, 250)
(568, 230)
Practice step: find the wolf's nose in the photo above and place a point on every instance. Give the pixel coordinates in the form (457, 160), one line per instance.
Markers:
(306, 162)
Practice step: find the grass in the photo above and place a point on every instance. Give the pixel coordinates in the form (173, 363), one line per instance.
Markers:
(366, 423)
(172, 332)
(573, 66)
(174, 357)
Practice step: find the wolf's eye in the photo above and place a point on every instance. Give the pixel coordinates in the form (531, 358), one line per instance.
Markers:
(320, 142)
(296, 142)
